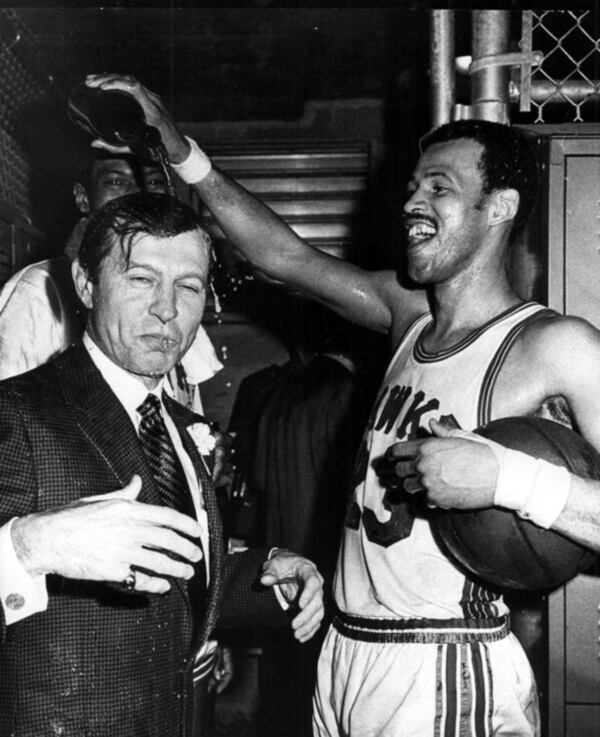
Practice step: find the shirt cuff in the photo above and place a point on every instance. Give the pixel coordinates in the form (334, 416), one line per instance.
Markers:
(21, 595)
(283, 603)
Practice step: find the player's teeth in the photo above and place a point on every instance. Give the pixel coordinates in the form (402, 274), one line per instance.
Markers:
(420, 230)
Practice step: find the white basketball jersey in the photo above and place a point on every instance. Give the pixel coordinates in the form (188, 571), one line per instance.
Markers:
(390, 565)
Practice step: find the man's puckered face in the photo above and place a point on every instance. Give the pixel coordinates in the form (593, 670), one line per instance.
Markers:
(145, 314)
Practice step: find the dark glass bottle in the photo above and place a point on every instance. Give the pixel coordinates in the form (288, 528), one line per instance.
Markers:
(117, 118)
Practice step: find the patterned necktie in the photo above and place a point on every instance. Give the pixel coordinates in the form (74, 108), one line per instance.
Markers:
(168, 474)
(162, 459)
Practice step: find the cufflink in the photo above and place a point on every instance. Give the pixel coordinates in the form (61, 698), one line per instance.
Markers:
(14, 601)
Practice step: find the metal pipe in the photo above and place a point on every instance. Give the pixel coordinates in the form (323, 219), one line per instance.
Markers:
(569, 90)
(490, 31)
(441, 65)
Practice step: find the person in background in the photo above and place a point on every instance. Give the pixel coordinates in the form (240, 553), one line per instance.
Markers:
(305, 440)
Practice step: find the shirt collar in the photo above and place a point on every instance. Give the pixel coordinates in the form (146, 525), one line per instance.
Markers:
(129, 389)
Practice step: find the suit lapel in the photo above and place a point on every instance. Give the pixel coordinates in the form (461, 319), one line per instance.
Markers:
(183, 418)
(107, 426)
(103, 420)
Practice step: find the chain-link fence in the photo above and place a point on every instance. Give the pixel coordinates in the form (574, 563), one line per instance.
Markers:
(568, 72)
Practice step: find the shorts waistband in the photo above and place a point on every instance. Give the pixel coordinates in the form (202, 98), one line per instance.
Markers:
(371, 629)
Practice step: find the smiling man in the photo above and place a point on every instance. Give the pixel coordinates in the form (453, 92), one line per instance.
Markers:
(417, 648)
(113, 567)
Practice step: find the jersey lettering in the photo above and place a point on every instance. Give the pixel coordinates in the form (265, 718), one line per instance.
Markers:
(392, 408)
(388, 408)
(412, 418)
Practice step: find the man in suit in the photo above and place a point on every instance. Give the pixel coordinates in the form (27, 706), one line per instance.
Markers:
(40, 314)
(113, 568)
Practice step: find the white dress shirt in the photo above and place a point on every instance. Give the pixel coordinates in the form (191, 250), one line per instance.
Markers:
(22, 595)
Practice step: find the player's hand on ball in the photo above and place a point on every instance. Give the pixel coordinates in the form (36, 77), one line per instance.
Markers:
(397, 469)
(457, 470)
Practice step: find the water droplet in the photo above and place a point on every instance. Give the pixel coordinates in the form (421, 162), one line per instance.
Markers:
(218, 308)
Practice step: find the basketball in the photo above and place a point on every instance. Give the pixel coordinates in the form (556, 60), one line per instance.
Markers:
(500, 547)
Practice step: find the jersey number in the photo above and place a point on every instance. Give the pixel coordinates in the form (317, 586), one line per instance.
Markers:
(398, 527)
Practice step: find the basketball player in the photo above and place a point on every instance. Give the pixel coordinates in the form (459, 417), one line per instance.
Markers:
(416, 648)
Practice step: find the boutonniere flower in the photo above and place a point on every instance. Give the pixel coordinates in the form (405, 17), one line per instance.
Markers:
(203, 437)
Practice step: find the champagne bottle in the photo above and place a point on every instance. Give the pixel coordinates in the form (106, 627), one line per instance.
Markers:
(116, 117)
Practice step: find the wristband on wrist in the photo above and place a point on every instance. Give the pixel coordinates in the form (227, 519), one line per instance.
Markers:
(195, 167)
(536, 489)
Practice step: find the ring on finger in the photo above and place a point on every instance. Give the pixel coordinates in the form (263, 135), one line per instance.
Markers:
(130, 580)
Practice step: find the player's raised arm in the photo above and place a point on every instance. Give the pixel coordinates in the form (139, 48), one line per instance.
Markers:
(274, 249)
(368, 298)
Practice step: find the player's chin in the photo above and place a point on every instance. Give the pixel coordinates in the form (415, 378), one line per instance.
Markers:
(420, 275)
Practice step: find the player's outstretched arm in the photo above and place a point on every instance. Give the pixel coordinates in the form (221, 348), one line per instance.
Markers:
(273, 248)
(367, 298)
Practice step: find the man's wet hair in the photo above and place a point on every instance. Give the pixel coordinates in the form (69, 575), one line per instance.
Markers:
(122, 219)
(507, 161)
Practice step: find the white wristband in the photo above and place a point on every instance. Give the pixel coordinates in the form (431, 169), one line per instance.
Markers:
(195, 167)
(536, 489)
(516, 477)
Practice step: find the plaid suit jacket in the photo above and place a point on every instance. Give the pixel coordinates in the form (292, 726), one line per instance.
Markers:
(100, 662)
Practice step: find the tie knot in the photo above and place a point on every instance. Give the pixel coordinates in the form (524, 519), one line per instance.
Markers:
(150, 407)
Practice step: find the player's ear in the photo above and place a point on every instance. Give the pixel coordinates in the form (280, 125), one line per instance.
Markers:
(81, 196)
(83, 284)
(503, 206)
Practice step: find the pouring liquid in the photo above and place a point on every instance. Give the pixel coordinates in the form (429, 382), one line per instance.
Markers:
(158, 154)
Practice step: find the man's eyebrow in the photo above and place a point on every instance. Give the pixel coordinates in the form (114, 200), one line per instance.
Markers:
(187, 275)
(437, 173)
(413, 182)
(193, 275)
(113, 170)
(132, 264)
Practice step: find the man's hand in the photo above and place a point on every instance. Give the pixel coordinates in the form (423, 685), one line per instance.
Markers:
(456, 469)
(301, 585)
(223, 671)
(154, 110)
(100, 538)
